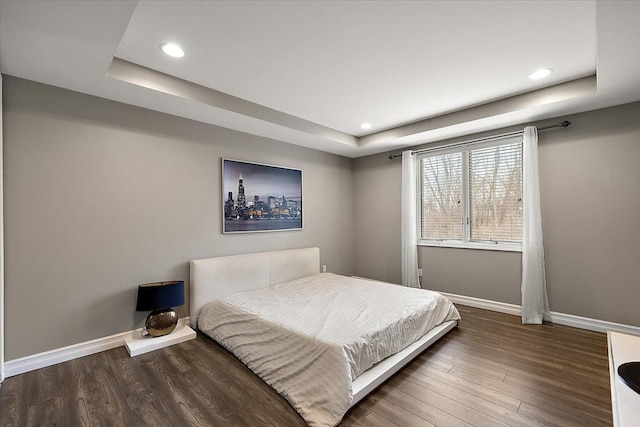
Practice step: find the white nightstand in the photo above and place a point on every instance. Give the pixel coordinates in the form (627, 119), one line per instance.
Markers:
(136, 344)
(625, 402)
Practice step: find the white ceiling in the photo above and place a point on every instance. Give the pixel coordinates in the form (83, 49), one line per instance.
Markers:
(310, 72)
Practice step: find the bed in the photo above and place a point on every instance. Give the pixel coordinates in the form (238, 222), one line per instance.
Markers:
(312, 361)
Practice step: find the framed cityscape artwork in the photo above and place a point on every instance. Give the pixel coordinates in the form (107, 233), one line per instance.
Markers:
(258, 197)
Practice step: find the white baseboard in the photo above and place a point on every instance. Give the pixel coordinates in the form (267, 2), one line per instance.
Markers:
(52, 357)
(592, 324)
(554, 317)
(64, 354)
(501, 307)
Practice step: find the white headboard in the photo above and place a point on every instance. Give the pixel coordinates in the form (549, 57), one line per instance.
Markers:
(213, 278)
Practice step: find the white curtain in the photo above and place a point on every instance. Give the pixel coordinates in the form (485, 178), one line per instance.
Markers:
(409, 252)
(534, 289)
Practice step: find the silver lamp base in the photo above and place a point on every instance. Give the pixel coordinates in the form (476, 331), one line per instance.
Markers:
(160, 323)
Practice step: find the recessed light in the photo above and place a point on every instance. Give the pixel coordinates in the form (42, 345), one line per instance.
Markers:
(540, 74)
(173, 49)
(365, 126)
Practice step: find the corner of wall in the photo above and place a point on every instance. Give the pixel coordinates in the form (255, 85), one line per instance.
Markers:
(1, 244)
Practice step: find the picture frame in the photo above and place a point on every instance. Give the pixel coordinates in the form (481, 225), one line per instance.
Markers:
(258, 197)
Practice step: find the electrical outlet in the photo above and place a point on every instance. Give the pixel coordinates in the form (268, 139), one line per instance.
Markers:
(419, 272)
(324, 268)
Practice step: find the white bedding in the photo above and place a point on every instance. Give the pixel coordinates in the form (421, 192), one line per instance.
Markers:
(310, 338)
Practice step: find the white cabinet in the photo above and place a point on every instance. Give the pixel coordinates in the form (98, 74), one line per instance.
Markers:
(623, 348)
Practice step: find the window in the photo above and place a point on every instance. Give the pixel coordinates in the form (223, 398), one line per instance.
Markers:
(472, 196)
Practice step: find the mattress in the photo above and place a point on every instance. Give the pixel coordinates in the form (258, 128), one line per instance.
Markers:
(311, 337)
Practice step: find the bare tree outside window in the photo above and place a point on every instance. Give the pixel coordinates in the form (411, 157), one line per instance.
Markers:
(495, 183)
(493, 202)
(442, 211)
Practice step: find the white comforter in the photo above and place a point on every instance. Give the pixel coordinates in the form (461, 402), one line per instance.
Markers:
(310, 338)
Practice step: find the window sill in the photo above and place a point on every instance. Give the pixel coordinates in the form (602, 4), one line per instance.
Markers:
(504, 247)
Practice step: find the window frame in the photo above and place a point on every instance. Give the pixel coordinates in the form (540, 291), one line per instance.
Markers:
(465, 243)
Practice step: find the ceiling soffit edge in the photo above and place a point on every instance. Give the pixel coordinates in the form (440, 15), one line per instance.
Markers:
(151, 79)
(560, 92)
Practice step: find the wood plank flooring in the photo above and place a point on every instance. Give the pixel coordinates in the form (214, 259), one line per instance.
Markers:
(490, 371)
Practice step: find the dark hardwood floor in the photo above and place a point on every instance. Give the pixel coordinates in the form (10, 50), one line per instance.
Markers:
(490, 371)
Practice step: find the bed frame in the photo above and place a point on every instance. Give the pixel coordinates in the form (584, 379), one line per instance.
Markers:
(214, 278)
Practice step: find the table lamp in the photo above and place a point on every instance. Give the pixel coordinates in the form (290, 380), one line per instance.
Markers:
(159, 297)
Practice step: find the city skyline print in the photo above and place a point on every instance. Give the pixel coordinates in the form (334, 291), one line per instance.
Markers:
(258, 197)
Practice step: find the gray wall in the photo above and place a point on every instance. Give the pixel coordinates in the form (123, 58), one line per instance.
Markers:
(102, 196)
(491, 275)
(590, 195)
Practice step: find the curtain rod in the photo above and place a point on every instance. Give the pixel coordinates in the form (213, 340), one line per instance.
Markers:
(563, 124)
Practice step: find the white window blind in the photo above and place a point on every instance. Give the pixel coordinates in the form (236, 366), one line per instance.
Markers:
(442, 197)
(472, 195)
(495, 191)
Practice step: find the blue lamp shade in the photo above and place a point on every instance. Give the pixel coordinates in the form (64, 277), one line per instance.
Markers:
(160, 295)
